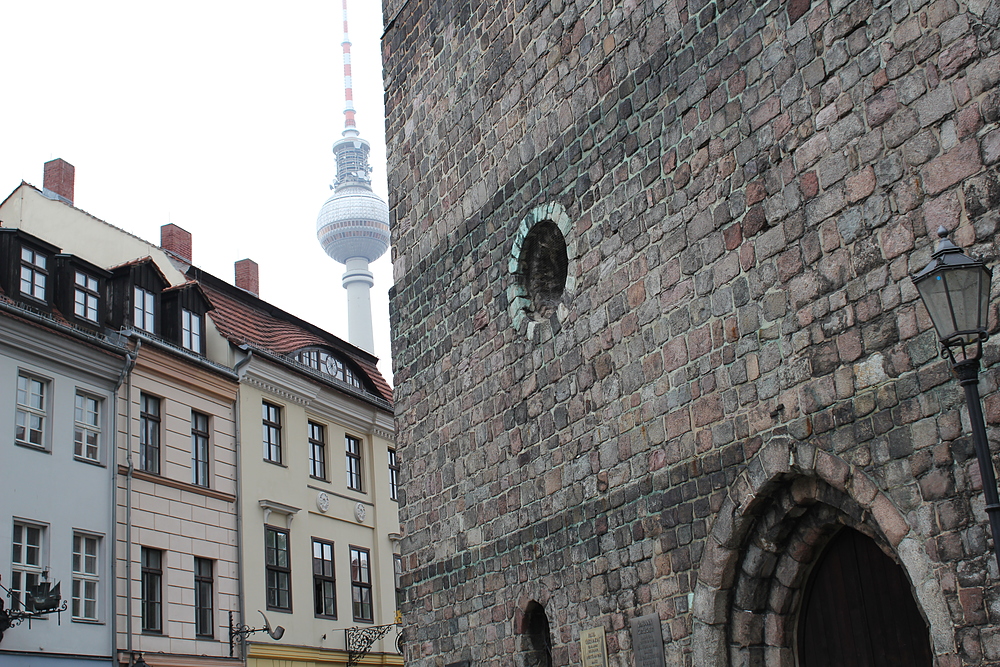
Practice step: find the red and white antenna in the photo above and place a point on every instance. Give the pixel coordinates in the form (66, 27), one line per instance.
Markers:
(348, 85)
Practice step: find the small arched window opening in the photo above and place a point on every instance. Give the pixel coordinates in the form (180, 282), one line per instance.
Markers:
(536, 642)
(543, 267)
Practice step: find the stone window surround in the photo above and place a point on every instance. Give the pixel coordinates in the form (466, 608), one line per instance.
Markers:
(517, 298)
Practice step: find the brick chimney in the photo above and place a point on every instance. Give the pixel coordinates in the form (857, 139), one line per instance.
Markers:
(58, 180)
(176, 240)
(247, 276)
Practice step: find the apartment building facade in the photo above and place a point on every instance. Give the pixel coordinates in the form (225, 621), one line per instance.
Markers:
(197, 524)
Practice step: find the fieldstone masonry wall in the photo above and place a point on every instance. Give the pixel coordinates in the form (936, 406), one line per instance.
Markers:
(741, 364)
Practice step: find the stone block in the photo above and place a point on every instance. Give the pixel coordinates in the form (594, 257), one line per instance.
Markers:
(881, 106)
(861, 185)
(934, 105)
(950, 168)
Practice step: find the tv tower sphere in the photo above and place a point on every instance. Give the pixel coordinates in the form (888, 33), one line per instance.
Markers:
(354, 221)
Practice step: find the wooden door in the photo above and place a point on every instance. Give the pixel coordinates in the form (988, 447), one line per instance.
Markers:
(859, 611)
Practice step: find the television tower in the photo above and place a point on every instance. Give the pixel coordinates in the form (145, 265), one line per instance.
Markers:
(353, 224)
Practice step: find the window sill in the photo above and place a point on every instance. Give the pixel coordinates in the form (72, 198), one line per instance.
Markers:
(175, 484)
(88, 621)
(92, 462)
(275, 463)
(37, 448)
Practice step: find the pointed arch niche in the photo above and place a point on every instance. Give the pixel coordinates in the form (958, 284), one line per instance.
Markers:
(780, 515)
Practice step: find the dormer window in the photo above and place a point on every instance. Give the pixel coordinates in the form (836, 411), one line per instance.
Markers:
(327, 363)
(144, 310)
(33, 273)
(191, 330)
(85, 296)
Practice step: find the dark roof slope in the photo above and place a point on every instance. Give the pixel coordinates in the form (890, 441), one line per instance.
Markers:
(245, 319)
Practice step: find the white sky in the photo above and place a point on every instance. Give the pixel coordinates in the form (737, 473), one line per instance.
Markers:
(215, 115)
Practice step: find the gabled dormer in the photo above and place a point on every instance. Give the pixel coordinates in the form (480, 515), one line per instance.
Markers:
(81, 291)
(136, 293)
(184, 308)
(28, 265)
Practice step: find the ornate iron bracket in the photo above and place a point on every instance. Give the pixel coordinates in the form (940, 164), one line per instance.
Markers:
(360, 640)
(43, 600)
(240, 631)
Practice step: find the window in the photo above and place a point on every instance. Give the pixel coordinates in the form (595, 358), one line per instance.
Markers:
(191, 331)
(85, 577)
(279, 570)
(144, 310)
(85, 296)
(30, 414)
(361, 584)
(26, 562)
(149, 433)
(87, 433)
(393, 475)
(323, 361)
(33, 273)
(354, 464)
(152, 590)
(397, 574)
(324, 581)
(199, 449)
(272, 433)
(317, 451)
(204, 624)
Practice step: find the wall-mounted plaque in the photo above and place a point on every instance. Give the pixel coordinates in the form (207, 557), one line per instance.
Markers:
(593, 650)
(647, 641)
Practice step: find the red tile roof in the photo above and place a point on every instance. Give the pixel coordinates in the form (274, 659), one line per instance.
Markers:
(242, 323)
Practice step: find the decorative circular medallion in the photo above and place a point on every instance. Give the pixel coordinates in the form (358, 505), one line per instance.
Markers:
(322, 501)
(359, 512)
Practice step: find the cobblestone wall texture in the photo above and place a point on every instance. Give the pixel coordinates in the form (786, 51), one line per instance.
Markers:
(741, 363)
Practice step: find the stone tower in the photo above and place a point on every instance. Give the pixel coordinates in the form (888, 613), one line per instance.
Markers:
(353, 225)
(657, 356)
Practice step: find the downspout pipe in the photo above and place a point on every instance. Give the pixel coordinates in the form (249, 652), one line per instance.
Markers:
(130, 358)
(128, 507)
(239, 493)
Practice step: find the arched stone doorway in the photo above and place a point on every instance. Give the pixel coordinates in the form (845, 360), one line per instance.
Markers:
(780, 514)
(536, 640)
(857, 610)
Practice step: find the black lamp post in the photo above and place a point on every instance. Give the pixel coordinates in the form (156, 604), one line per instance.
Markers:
(956, 291)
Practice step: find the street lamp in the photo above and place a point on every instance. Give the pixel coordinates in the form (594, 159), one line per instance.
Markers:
(956, 291)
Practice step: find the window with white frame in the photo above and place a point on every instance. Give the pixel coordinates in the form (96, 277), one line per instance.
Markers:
(278, 569)
(86, 577)
(27, 562)
(324, 579)
(87, 427)
(149, 433)
(361, 585)
(353, 446)
(200, 447)
(191, 330)
(271, 422)
(85, 296)
(33, 273)
(144, 310)
(152, 590)
(317, 451)
(204, 586)
(393, 475)
(30, 412)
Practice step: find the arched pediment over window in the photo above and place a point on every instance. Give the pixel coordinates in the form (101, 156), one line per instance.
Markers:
(328, 363)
